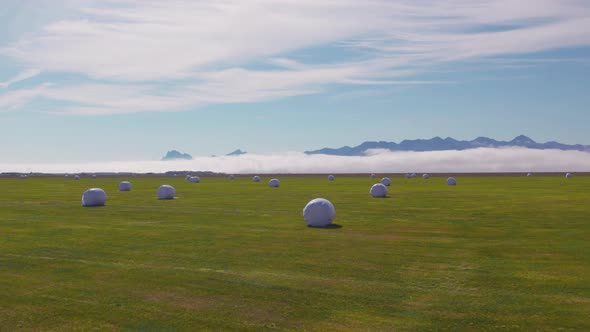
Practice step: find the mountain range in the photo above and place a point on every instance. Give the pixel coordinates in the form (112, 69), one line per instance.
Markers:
(174, 155)
(440, 144)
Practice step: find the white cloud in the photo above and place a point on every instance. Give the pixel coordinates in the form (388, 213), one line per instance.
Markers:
(19, 77)
(178, 54)
(475, 160)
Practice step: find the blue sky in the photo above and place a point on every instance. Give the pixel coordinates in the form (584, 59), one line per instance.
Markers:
(128, 80)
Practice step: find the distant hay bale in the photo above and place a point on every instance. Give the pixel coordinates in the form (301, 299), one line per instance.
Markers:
(76, 177)
(94, 176)
(125, 186)
(330, 177)
(319, 212)
(231, 177)
(569, 175)
(166, 192)
(373, 175)
(194, 179)
(378, 190)
(274, 183)
(529, 174)
(451, 181)
(426, 176)
(256, 178)
(94, 197)
(386, 181)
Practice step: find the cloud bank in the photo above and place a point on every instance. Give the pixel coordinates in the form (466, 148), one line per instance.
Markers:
(475, 160)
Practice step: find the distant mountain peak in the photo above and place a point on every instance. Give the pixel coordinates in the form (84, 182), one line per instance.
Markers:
(174, 155)
(523, 139)
(449, 143)
(237, 152)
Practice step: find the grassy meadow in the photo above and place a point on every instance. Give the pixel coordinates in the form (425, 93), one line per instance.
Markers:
(492, 253)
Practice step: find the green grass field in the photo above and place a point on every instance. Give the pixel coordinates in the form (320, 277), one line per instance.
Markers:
(493, 253)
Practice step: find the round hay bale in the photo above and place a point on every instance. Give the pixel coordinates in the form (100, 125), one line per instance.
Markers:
(426, 176)
(194, 179)
(125, 186)
(94, 197)
(166, 192)
(569, 175)
(231, 177)
(378, 190)
(331, 177)
(386, 181)
(274, 183)
(451, 181)
(319, 212)
(76, 177)
(256, 178)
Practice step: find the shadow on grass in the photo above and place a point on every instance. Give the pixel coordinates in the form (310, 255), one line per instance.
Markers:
(330, 226)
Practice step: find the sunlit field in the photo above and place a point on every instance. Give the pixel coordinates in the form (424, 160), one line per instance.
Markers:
(492, 253)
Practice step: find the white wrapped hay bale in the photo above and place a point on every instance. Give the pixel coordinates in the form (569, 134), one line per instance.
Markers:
(231, 177)
(195, 179)
(569, 175)
(125, 186)
(166, 192)
(426, 176)
(451, 181)
(331, 177)
(378, 190)
(256, 178)
(319, 212)
(274, 183)
(94, 197)
(386, 181)
(76, 177)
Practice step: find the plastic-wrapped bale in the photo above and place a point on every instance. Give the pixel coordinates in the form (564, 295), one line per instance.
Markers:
(426, 176)
(23, 176)
(413, 175)
(195, 179)
(331, 177)
(256, 178)
(386, 181)
(125, 186)
(529, 174)
(187, 177)
(378, 190)
(274, 183)
(373, 175)
(166, 192)
(67, 176)
(319, 212)
(451, 181)
(569, 175)
(94, 197)
(94, 176)
(231, 177)
(76, 177)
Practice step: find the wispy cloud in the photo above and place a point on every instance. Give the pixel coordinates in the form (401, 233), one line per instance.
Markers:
(177, 54)
(20, 77)
(476, 160)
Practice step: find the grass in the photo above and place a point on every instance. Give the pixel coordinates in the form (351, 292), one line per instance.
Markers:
(492, 253)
